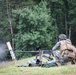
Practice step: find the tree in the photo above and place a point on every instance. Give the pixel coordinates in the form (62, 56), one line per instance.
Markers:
(6, 17)
(34, 27)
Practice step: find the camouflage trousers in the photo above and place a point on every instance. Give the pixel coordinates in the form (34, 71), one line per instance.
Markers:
(60, 58)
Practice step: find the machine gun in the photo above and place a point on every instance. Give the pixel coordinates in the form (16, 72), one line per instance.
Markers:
(42, 54)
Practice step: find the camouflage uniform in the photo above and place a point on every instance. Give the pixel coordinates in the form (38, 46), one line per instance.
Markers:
(57, 55)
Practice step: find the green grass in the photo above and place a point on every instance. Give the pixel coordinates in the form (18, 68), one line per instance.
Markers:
(10, 68)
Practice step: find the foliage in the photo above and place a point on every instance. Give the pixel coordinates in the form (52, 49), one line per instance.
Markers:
(36, 23)
(63, 13)
(4, 34)
(72, 19)
(34, 27)
(23, 55)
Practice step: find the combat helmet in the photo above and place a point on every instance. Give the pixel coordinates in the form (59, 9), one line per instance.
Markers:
(62, 37)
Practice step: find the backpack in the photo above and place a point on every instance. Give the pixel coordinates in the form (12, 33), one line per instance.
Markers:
(67, 49)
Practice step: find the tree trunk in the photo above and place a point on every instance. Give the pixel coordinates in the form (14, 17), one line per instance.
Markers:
(10, 22)
(70, 32)
(66, 26)
(66, 7)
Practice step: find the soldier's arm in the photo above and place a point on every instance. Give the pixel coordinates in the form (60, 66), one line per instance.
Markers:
(57, 45)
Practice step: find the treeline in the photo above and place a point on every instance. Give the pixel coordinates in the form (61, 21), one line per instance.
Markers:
(34, 24)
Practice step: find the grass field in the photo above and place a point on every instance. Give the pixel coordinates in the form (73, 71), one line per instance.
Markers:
(10, 68)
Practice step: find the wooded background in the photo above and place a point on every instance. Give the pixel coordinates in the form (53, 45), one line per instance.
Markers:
(34, 24)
